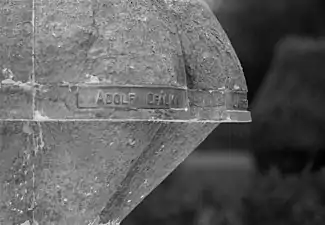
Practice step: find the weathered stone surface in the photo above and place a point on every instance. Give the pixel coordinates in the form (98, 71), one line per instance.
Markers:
(289, 110)
(59, 44)
(16, 63)
(177, 44)
(73, 172)
(79, 172)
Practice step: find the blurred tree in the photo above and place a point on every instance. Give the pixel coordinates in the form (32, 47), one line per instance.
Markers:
(288, 125)
(255, 26)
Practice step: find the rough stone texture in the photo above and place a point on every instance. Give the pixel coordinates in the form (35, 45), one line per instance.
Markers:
(16, 65)
(171, 43)
(289, 110)
(58, 44)
(120, 42)
(71, 172)
(210, 60)
(79, 172)
(134, 42)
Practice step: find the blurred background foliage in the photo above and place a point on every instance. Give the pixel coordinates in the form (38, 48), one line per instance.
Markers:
(261, 181)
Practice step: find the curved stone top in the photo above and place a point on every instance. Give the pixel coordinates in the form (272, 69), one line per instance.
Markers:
(178, 48)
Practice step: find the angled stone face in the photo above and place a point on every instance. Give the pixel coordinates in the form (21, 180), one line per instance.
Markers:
(74, 172)
(16, 60)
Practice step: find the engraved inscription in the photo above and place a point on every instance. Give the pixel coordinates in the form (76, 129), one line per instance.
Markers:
(161, 99)
(132, 97)
(114, 99)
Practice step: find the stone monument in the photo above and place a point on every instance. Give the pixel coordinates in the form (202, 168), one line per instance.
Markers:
(101, 100)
